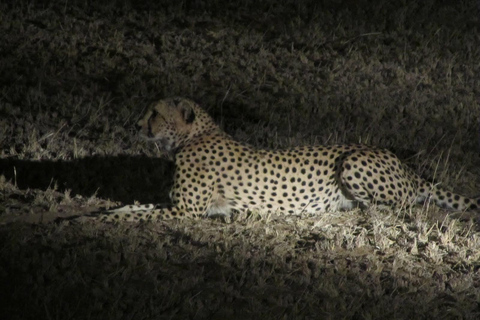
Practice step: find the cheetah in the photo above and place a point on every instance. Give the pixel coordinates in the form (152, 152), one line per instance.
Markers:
(217, 175)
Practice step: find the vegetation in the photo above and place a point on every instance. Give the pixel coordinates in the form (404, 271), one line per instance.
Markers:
(76, 75)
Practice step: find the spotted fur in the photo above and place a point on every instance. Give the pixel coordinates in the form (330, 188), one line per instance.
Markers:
(216, 174)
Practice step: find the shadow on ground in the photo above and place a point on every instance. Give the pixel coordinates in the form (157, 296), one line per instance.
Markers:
(119, 178)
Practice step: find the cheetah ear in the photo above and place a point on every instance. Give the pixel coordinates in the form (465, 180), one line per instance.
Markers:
(187, 113)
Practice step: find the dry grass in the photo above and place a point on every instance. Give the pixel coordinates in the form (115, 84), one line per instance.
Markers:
(76, 75)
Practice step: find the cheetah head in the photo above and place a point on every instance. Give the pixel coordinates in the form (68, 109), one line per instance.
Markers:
(168, 122)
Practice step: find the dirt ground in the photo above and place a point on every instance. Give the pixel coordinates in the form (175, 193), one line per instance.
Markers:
(75, 76)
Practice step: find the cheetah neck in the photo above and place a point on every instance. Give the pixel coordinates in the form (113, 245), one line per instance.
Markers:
(203, 125)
